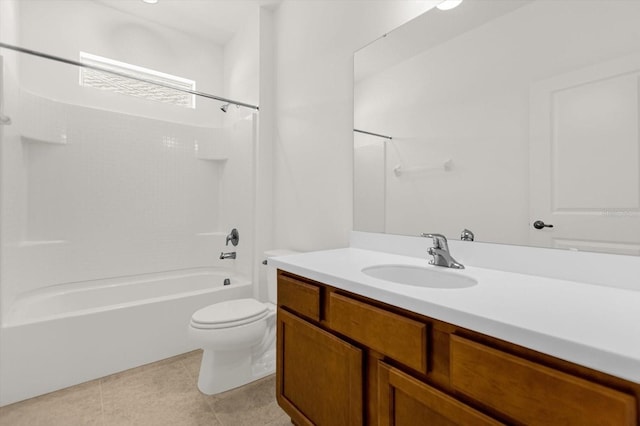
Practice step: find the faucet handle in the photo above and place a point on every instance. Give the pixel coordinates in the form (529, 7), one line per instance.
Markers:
(439, 240)
(234, 237)
(432, 235)
(467, 235)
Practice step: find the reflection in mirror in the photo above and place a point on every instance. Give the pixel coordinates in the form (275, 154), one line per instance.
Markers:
(503, 114)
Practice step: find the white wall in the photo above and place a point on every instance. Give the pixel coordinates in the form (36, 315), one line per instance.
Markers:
(248, 195)
(242, 61)
(264, 153)
(313, 169)
(241, 82)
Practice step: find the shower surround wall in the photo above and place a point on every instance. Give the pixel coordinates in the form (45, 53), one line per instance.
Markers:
(110, 194)
(99, 186)
(99, 193)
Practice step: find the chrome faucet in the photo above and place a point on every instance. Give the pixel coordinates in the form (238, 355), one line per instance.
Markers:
(231, 255)
(440, 252)
(467, 235)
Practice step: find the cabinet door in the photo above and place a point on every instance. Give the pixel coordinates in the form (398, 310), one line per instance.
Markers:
(319, 376)
(405, 401)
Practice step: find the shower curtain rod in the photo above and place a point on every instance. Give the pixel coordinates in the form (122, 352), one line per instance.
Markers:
(93, 67)
(373, 134)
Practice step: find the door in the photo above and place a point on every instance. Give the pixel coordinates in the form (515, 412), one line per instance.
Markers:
(585, 159)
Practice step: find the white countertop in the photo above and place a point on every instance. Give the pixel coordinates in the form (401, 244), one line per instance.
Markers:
(591, 325)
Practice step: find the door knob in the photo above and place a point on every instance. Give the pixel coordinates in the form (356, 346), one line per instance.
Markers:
(538, 224)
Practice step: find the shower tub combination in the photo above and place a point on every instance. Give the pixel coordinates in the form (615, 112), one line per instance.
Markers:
(63, 335)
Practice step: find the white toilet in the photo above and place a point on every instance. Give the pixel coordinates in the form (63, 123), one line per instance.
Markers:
(238, 338)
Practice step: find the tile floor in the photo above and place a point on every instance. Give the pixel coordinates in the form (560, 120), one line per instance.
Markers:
(162, 393)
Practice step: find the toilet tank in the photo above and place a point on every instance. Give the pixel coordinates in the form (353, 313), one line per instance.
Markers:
(272, 273)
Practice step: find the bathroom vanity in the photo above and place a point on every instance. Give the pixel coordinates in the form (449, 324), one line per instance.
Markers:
(354, 350)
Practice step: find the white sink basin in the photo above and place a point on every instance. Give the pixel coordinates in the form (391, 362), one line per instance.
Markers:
(419, 276)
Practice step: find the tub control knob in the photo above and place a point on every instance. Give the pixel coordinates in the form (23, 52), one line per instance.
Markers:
(234, 237)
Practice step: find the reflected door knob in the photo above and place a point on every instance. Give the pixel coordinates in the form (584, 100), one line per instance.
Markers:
(538, 224)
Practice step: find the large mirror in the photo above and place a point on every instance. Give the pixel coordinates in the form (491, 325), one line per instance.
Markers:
(518, 120)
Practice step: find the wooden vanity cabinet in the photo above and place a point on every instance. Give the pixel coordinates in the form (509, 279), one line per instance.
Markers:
(343, 359)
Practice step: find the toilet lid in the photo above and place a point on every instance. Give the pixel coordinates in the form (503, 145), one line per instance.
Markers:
(230, 313)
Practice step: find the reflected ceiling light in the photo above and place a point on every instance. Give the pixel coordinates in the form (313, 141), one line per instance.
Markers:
(150, 1)
(449, 4)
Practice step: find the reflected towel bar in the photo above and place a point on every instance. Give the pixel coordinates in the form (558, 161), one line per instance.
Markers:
(445, 166)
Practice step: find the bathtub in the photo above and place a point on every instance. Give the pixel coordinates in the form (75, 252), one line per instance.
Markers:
(63, 335)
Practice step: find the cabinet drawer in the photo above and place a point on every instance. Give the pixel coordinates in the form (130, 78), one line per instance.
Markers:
(406, 401)
(299, 296)
(398, 337)
(532, 393)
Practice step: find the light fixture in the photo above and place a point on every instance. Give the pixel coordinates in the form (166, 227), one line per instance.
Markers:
(150, 1)
(449, 4)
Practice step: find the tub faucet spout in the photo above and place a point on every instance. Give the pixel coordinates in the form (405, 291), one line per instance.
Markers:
(231, 255)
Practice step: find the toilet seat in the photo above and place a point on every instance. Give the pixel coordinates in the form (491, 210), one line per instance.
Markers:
(231, 313)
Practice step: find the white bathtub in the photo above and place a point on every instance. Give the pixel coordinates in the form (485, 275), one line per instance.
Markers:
(65, 335)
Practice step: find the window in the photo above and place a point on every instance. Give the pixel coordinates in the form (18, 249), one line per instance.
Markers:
(115, 83)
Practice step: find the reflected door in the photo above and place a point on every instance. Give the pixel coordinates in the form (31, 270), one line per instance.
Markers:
(592, 200)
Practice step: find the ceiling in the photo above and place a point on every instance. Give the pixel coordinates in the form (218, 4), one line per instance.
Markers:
(214, 20)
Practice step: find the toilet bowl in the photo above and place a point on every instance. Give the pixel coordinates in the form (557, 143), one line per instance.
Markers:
(237, 338)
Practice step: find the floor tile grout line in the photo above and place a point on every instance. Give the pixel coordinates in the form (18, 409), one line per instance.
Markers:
(215, 415)
(206, 400)
(104, 420)
(184, 366)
